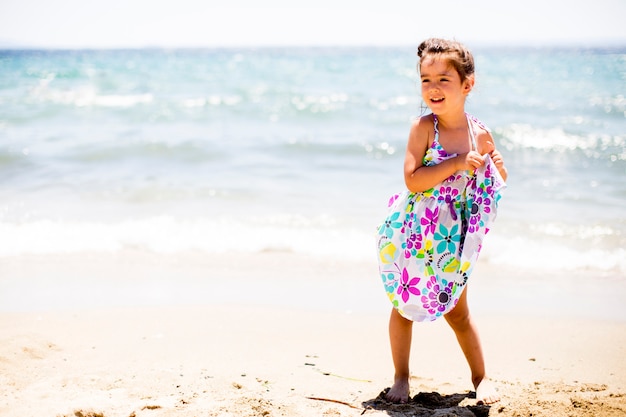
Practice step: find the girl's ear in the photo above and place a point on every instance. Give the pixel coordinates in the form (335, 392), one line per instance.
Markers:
(468, 84)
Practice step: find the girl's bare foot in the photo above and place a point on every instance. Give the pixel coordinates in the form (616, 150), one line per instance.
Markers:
(399, 392)
(486, 392)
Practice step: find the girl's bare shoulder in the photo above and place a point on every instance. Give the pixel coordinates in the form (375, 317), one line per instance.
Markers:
(421, 127)
(484, 140)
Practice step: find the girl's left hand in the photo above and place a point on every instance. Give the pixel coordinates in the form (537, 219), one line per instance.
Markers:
(498, 161)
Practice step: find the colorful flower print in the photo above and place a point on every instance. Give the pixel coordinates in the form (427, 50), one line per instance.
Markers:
(437, 295)
(412, 244)
(447, 239)
(408, 286)
(426, 256)
(430, 220)
(430, 241)
(390, 224)
(387, 253)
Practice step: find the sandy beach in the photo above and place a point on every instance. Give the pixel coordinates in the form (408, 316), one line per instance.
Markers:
(159, 353)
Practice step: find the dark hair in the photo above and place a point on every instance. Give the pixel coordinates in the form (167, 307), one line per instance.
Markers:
(454, 52)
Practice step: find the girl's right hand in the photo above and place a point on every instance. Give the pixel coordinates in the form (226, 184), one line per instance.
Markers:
(468, 161)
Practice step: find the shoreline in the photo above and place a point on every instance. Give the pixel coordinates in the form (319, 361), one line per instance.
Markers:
(138, 278)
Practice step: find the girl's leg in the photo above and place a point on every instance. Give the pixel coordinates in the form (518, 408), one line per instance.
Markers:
(400, 332)
(466, 332)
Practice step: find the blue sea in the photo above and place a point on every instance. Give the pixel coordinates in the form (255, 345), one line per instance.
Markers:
(298, 150)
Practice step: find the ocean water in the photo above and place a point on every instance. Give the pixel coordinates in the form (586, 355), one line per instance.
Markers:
(298, 150)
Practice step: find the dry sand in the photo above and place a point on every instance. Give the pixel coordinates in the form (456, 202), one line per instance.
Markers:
(260, 360)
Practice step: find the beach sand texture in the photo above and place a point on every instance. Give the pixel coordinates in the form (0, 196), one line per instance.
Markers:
(239, 358)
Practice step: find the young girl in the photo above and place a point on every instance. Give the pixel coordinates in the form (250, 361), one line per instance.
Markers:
(431, 238)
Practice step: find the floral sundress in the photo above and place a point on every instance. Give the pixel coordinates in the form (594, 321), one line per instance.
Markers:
(430, 241)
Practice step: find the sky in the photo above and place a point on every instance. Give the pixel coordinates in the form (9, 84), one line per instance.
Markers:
(228, 23)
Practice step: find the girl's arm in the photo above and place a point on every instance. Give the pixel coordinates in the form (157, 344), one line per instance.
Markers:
(417, 176)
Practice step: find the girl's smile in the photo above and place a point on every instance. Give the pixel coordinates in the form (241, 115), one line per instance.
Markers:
(441, 84)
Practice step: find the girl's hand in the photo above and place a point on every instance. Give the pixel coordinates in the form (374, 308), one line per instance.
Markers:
(498, 161)
(468, 161)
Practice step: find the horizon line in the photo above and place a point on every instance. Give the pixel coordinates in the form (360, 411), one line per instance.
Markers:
(607, 44)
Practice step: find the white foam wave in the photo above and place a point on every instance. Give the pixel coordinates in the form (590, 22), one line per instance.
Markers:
(522, 136)
(614, 104)
(579, 231)
(212, 101)
(544, 255)
(320, 103)
(165, 234)
(392, 102)
(320, 236)
(88, 97)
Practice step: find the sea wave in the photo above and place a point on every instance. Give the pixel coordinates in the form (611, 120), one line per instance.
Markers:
(88, 96)
(320, 236)
(540, 255)
(615, 105)
(168, 235)
(557, 140)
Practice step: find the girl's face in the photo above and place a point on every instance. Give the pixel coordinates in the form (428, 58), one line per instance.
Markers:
(442, 88)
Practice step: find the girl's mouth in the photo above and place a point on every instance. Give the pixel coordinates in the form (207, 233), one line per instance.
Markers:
(436, 100)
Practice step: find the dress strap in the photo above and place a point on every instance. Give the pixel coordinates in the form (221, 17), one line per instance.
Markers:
(472, 133)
